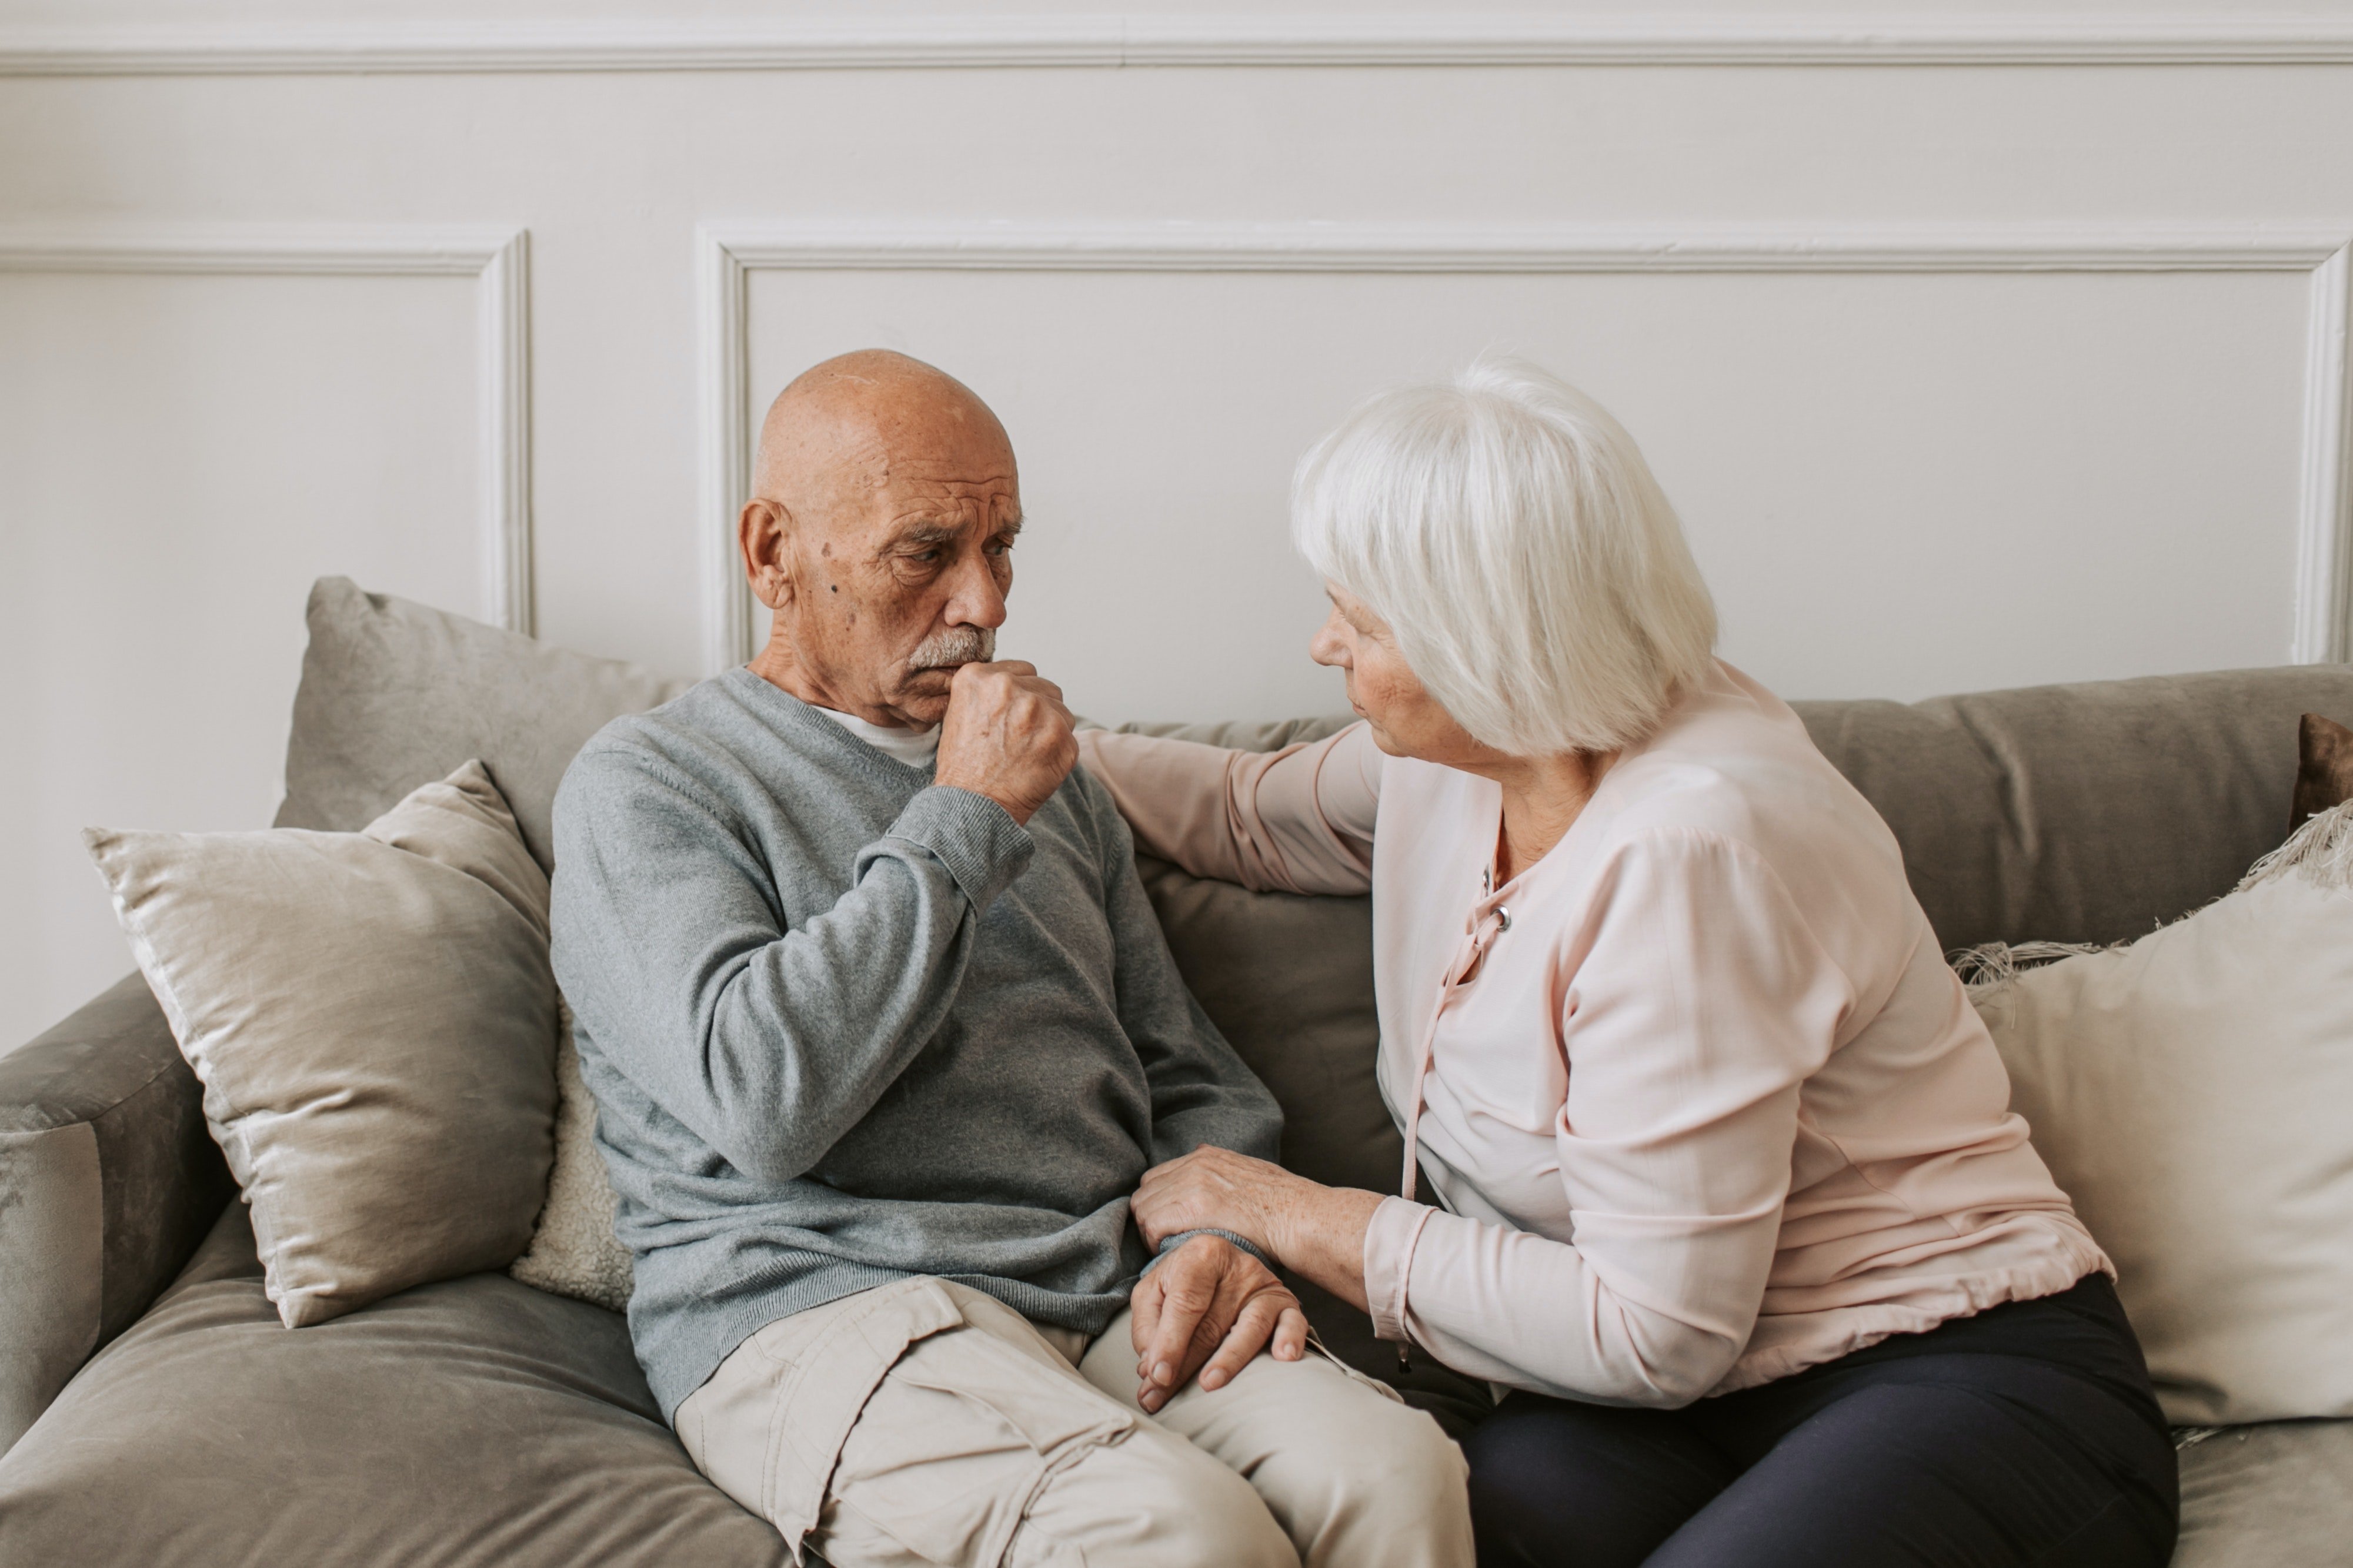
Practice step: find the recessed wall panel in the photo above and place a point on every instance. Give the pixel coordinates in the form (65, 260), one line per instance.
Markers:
(182, 457)
(1899, 484)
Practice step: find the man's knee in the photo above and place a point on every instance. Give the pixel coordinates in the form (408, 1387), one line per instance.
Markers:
(1354, 1476)
(1223, 1519)
(1390, 1461)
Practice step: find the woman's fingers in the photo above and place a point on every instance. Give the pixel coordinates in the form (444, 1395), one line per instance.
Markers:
(1165, 1166)
(1155, 1217)
(1208, 1189)
(1176, 1201)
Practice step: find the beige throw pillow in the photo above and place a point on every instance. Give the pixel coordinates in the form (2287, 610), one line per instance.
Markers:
(574, 1251)
(374, 1020)
(2193, 1093)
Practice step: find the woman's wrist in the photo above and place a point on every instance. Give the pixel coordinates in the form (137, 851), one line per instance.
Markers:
(1322, 1237)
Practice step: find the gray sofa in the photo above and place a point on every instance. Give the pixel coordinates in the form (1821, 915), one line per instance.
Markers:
(154, 1412)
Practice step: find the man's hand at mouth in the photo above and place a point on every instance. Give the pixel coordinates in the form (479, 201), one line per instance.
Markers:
(1207, 1309)
(1007, 735)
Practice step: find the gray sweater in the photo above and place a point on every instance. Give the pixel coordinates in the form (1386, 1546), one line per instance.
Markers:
(845, 1026)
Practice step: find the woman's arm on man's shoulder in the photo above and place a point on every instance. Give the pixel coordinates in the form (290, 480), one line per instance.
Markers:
(1299, 820)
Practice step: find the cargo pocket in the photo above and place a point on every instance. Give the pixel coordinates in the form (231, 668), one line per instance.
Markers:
(981, 1428)
(832, 1376)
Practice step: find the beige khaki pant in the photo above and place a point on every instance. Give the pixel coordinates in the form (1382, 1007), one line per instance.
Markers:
(923, 1423)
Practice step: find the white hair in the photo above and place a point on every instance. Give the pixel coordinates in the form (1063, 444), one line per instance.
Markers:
(1509, 531)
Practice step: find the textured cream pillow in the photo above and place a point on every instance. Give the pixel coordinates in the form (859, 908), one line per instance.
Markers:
(374, 1020)
(574, 1251)
(2193, 1093)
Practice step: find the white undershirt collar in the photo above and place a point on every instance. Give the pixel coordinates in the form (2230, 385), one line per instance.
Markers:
(916, 748)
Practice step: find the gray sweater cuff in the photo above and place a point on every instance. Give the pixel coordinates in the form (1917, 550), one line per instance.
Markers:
(1171, 1243)
(976, 838)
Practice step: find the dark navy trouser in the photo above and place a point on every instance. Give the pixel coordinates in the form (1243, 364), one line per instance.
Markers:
(2025, 1434)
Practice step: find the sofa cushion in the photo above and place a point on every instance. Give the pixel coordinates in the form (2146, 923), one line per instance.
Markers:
(2274, 1496)
(374, 1018)
(394, 695)
(471, 1422)
(108, 1179)
(2087, 812)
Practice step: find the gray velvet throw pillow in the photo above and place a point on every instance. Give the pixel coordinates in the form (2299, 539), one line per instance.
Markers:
(374, 1020)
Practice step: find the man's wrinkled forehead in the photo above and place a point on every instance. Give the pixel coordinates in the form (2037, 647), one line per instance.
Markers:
(869, 483)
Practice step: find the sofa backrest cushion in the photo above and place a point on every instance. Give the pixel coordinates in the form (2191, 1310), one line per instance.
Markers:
(396, 695)
(2090, 813)
(2083, 812)
(1289, 980)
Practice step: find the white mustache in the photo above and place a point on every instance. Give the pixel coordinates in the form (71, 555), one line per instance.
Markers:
(957, 645)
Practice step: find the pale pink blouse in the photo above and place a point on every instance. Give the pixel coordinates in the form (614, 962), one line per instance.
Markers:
(1703, 1101)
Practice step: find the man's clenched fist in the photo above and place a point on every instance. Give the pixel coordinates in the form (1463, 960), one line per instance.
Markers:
(1007, 735)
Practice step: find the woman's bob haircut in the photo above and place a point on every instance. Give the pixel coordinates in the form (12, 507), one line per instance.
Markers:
(1509, 531)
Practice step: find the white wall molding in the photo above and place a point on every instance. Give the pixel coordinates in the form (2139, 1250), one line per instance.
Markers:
(2324, 541)
(1172, 39)
(496, 258)
(728, 254)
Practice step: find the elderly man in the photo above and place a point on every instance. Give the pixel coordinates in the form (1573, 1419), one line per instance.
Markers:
(883, 1033)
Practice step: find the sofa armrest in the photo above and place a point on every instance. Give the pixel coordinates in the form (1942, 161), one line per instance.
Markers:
(108, 1180)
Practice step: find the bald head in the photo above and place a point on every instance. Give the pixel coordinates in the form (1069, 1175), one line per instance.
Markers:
(883, 511)
(840, 424)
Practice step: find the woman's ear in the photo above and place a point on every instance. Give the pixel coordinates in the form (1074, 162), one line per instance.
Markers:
(760, 537)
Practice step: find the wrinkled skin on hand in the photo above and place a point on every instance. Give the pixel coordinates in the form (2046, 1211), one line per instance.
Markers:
(1007, 735)
(1315, 1231)
(1206, 1310)
(1218, 1189)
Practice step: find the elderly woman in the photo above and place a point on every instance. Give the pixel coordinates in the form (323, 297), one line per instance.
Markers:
(1731, 1208)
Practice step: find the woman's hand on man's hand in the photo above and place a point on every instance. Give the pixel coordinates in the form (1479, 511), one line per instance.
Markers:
(1314, 1231)
(1207, 1309)
(1217, 1189)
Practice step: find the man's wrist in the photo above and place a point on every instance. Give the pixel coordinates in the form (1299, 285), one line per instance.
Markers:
(1176, 1239)
(979, 842)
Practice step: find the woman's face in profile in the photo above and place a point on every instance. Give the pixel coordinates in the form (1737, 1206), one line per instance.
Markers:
(1406, 720)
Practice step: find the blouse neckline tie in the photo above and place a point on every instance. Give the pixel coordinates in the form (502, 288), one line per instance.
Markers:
(1482, 926)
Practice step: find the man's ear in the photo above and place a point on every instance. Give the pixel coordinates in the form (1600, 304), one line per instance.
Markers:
(761, 539)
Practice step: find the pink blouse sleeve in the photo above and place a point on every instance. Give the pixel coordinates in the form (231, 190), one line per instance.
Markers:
(1699, 1003)
(1299, 820)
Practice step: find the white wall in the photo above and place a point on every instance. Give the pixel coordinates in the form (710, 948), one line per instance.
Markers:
(1978, 347)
